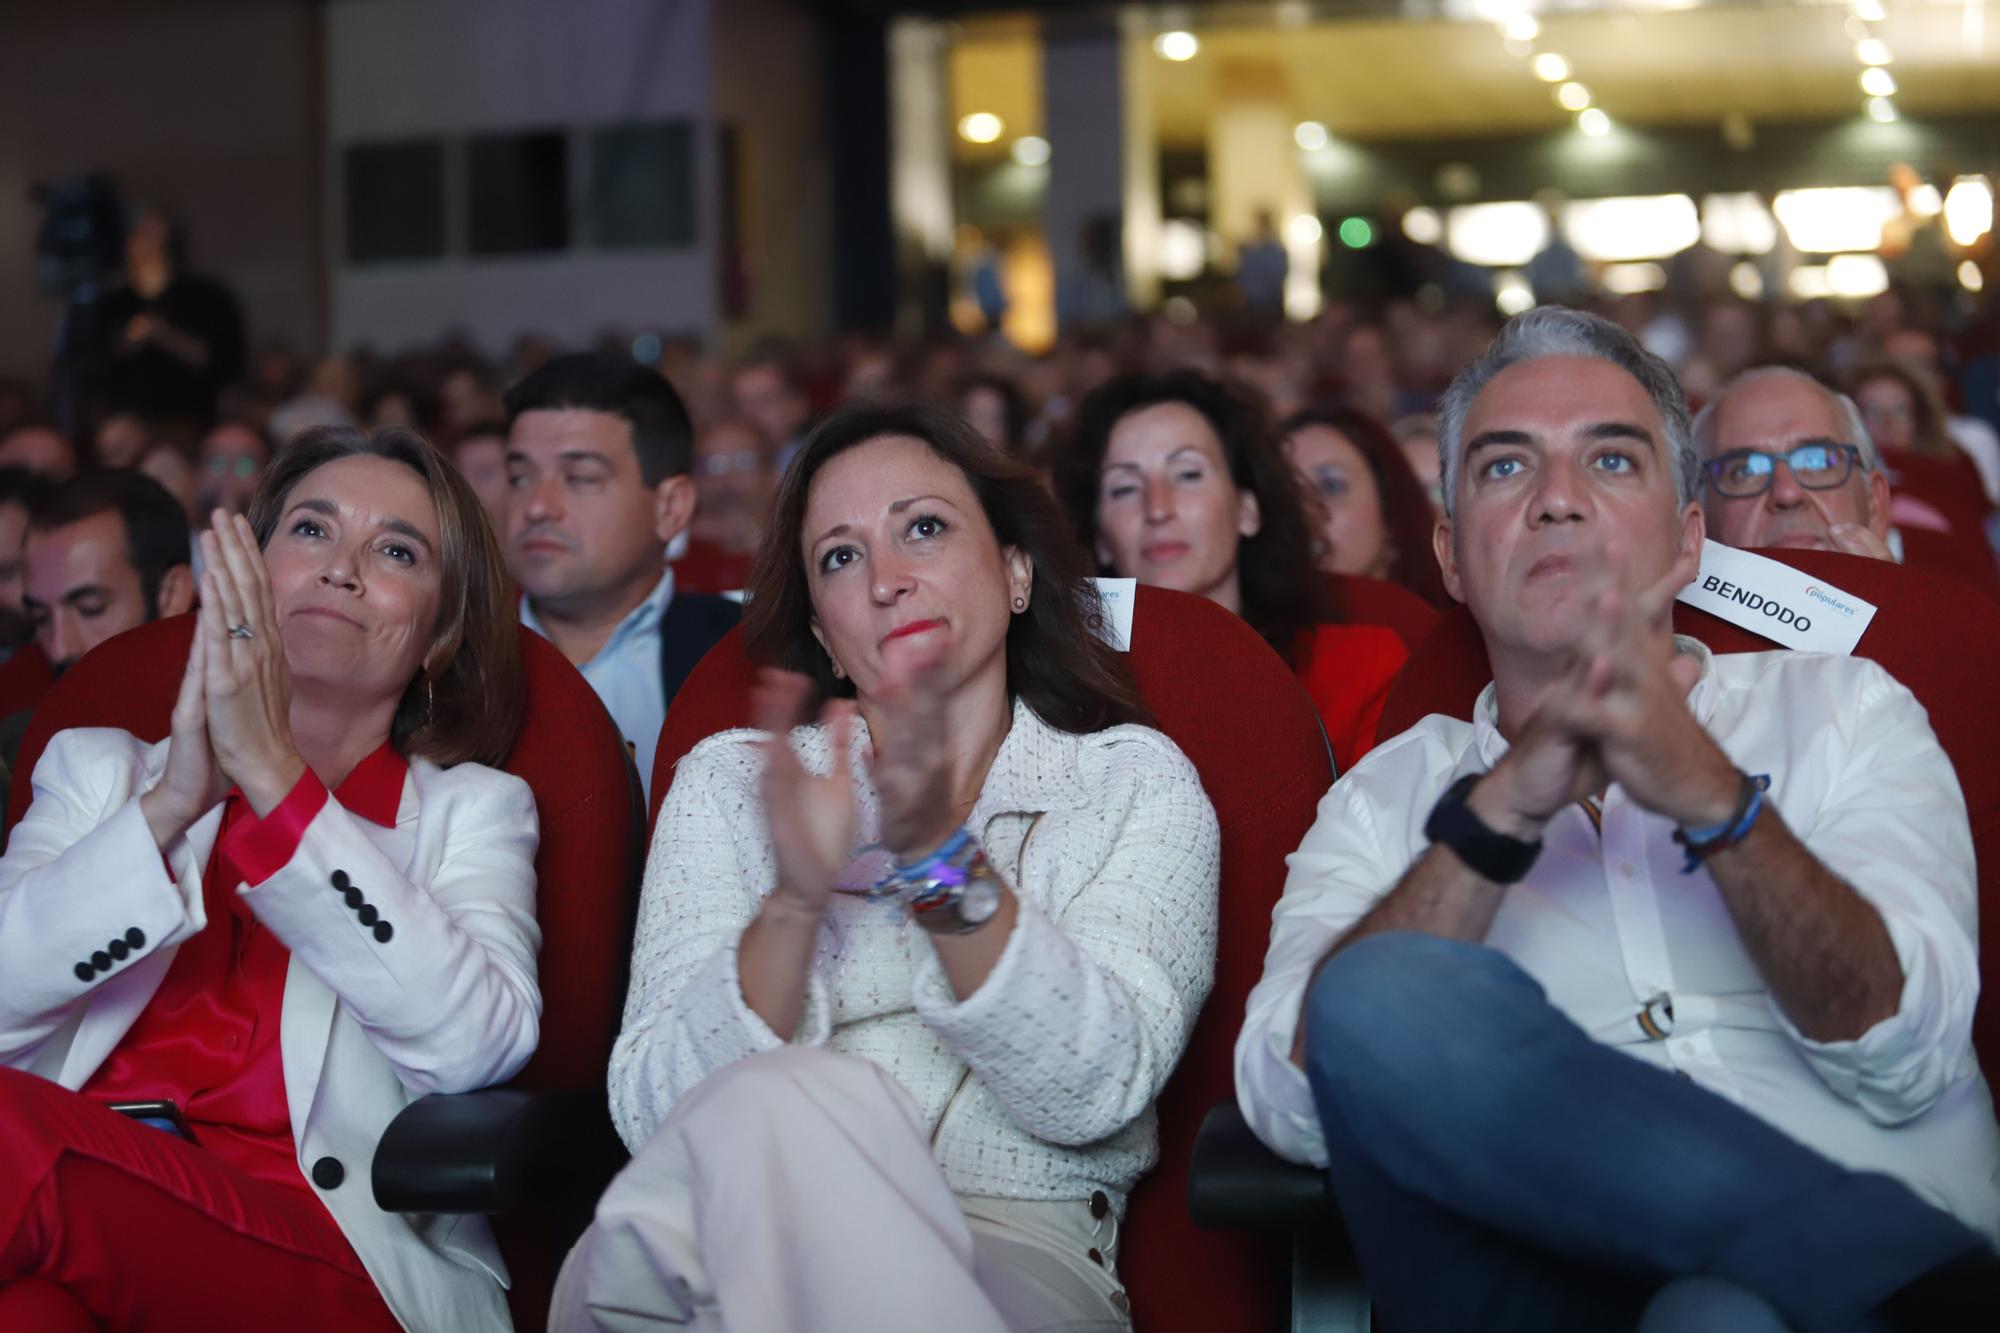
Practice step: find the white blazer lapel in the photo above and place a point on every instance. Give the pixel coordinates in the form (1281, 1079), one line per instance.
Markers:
(120, 1000)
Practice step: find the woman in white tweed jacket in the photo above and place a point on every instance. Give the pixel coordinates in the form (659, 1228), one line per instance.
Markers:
(923, 1106)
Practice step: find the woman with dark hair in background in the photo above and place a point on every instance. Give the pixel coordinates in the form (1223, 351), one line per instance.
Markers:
(1375, 519)
(1178, 480)
(266, 935)
(907, 979)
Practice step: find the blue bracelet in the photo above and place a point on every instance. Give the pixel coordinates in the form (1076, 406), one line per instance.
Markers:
(897, 876)
(1699, 843)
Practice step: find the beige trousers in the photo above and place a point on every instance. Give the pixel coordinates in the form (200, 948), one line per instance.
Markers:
(795, 1192)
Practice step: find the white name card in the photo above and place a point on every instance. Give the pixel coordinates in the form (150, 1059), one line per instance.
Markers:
(1115, 598)
(1785, 605)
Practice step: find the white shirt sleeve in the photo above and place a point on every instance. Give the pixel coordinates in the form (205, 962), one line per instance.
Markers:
(1894, 827)
(1367, 834)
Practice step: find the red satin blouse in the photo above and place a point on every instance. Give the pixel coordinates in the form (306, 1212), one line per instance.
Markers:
(208, 1039)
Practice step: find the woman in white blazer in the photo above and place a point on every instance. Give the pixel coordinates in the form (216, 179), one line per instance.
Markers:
(905, 1087)
(312, 904)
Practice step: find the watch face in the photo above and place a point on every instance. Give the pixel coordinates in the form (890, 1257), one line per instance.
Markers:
(980, 901)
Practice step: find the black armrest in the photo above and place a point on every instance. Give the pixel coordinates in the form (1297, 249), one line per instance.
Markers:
(1235, 1183)
(494, 1150)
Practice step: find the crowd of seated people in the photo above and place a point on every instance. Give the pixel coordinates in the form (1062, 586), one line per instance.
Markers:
(1640, 1000)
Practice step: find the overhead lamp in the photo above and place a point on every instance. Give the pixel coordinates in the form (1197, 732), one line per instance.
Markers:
(1594, 123)
(981, 127)
(1551, 68)
(1516, 47)
(1878, 82)
(1031, 150)
(1924, 201)
(1573, 96)
(1869, 10)
(1177, 45)
(1968, 210)
(1310, 136)
(1969, 276)
(1304, 229)
(1423, 225)
(1882, 111)
(1521, 28)
(1357, 233)
(1873, 51)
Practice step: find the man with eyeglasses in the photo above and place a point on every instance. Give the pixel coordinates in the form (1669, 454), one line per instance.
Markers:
(1787, 462)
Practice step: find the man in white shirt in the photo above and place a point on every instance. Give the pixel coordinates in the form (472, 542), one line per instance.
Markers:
(1655, 982)
(1787, 461)
(599, 450)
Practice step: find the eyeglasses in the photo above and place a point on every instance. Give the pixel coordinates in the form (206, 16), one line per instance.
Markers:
(219, 466)
(1818, 465)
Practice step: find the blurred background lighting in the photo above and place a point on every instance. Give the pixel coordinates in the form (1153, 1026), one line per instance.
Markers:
(1878, 82)
(1594, 123)
(1872, 51)
(1423, 225)
(1310, 135)
(1856, 276)
(1637, 227)
(1849, 217)
(1738, 224)
(1969, 276)
(1183, 250)
(1502, 235)
(1882, 110)
(1869, 10)
(1304, 229)
(1631, 279)
(1924, 201)
(1573, 97)
(1551, 68)
(981, 127)
(1521, 28)
(1968, 210)
(1513, 294)
(1746, 281)
(1177, 45)
(1808, 283)
(1357, 233)
(1031, 150)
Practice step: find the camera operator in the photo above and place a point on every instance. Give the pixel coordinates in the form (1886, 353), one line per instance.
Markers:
(171, 339)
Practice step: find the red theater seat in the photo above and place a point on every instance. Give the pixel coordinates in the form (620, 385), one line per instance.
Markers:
(1354, 600)
(1930, 632)
(24, 679)
(542, 1148)
(707, 568)
(1258, 749)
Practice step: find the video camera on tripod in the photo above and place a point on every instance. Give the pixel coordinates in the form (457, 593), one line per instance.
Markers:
(79, 249)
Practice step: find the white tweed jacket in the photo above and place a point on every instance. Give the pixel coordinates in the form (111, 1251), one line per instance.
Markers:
(1040, 1084)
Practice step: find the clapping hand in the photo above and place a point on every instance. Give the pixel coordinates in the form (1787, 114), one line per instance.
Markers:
(910, 765)
(812, 820)
(248, 686)
(192, 783)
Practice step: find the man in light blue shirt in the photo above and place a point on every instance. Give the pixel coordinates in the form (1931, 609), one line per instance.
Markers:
(599, 451)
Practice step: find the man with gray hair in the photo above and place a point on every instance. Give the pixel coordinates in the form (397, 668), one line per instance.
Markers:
(1647, 993)
(1787, 462)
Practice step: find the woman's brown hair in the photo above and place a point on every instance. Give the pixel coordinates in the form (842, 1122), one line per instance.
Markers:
(1928, 415)
(1283, 594)
(1407, 516)
(1056, 664)
(472, 707)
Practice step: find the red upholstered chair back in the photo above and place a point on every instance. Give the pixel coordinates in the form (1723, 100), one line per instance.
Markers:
(1242, 719)
(1931, 632)
(1354, 600)
(24, 679)
(568, 751)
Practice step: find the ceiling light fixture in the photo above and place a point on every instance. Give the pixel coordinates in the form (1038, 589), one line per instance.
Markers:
(1310, 135)
(981, 127)
(1551, 68)
(1878, 82)
(1882, 110)
(1873, 51)
(1594, 123)
(1573, 97)
(1177, 45)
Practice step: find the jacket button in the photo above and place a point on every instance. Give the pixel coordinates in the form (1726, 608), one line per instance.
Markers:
(136, 938)
(340, 880)
(85, 972)
(353, 896)
(383, 930)
(1100, 1205)
(368, 914)
(101, 961)
(328, 1173)
(1096, 1256)
(119, 949)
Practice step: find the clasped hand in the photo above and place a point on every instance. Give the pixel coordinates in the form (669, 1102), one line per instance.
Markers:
(812, 820)
(232, 718)
(1617, 713)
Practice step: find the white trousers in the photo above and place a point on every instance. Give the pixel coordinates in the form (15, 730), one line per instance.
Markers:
(795, 1192)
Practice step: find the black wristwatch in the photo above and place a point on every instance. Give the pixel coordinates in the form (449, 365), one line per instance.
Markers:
(1492, 856)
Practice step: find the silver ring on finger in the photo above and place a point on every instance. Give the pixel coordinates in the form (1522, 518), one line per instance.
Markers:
(242, 632)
